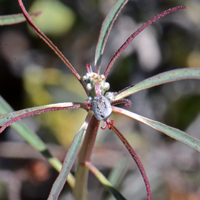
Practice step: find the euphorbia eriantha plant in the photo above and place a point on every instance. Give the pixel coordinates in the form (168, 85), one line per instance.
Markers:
(99, 106)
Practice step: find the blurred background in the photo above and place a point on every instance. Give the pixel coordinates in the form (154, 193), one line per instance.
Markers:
(32, 75)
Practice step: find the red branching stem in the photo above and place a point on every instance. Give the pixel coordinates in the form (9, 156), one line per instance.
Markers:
(128, 41)
(50, 43)
(36, 112)
(47, 40)
(136, 158)
(126, 101)
(108, 124)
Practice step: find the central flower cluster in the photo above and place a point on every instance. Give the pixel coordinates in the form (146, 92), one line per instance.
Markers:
(91, 79)
(97, 86)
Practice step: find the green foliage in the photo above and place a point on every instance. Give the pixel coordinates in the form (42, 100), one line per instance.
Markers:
(15, 19)
(84, 141)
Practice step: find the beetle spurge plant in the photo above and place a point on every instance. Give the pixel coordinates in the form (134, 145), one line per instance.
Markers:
(99, 106)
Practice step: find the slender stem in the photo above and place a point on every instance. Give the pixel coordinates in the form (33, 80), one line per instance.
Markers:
(128, 41)
(136, 158)
(50, 43)
(80, 190)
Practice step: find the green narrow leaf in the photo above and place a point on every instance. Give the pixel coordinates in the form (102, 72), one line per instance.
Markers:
(166, 77)
(104, 181)
(118, 172)
(17, 115)
(105, 29)
(69, 160)
(16, 18)
(29, 136)
(168, 130)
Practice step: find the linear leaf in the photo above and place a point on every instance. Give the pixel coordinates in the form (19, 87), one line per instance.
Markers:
(137, 32)
(16, 18)
(49, 42)
(69, 160)
(168, 130)
(104, 181)
(119, 171)
(29, 136)
(135, 158)
(105, 29)
(8, 119)
(166, 77)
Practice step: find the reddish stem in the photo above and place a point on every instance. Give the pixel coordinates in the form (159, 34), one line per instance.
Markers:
(50, 43)
(136, 158)
(36, 112)
(128, 41)
(80, 190)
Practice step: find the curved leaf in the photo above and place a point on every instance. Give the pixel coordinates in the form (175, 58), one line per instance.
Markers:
(16, 18)
(7, 119)
(49, 42)
(29, 136)
(105, 30)
(69, 160)
(119, 171)
(135, 158)
(104, 181)
(137, 32)
(168, 130)
(166, 77)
